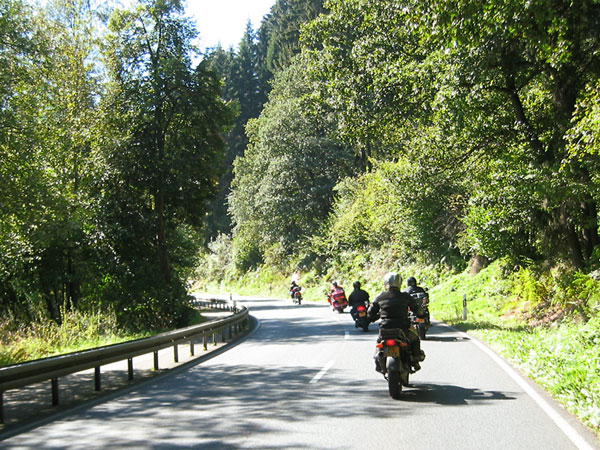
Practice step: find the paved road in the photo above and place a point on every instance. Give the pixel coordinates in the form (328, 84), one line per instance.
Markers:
(305, 379)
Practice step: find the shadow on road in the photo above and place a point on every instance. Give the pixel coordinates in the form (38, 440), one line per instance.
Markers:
(443, 394)
(196, 401)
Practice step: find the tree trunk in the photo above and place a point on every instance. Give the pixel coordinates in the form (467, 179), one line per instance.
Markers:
(161, 238)
(478, 262)
(590, 230)
(572, 240)
(72, 287)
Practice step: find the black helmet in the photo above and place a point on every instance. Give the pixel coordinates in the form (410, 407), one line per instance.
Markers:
(356, 285)
(411, 281)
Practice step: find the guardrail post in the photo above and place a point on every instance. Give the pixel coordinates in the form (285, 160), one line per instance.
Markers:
(214, 338)
(54, 384)
(464, 312)
(176, 353)
(97, 379)
(205, 342)
(130, 368)
(156, 360)
(191, 347)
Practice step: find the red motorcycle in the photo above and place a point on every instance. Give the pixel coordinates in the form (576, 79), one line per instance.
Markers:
(337, 302)
(297, 297)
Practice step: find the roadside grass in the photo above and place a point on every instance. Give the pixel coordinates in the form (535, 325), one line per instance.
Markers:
(78, 331)
(43, 337)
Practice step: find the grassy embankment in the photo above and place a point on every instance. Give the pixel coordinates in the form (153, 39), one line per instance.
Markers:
(551, 333)
(44, 338)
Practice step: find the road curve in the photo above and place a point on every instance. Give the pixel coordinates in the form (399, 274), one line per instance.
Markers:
(306, 379)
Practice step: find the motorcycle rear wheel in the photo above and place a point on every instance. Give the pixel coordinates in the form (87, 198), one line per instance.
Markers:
(404, 378)
(394, 385)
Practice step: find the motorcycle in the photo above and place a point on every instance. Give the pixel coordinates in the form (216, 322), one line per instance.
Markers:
(393, 359)
(297, 297)
(338, 304)
(361, 320)
(421, 324)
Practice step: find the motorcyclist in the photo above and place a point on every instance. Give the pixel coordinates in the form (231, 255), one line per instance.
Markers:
(357, 298)
(335, 293)
(413, 288)
(294, 288)
(391, 306)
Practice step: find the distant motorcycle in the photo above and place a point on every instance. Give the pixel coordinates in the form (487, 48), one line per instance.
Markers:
(421, 324)
(338, 304)
(393, 359)
(297, 297)
(361, 320)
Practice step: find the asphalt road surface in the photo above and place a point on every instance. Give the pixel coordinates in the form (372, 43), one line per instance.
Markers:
(305, 379)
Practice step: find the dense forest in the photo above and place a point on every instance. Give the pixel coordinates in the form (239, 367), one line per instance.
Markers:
(451, 133)
(447, 133)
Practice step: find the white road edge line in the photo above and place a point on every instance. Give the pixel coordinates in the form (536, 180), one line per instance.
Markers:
(566, 428)
(322, 372)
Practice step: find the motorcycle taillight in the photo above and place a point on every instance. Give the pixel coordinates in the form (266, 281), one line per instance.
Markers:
(361, 308)
(390, 342)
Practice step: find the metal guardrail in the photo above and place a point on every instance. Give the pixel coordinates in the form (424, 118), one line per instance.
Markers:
(24, 374)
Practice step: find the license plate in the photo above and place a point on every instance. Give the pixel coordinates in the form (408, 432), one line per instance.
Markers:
(362, 314)
(420, 320)
(392, 352)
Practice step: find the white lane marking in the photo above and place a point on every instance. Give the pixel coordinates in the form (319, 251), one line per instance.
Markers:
(322, 372)
(566, 428)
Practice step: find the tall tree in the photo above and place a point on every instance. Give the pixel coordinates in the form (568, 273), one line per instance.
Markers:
(281, 30)
(535, 60)
(19, 178)
(283, 185)
(162, 137)
(49, 104)
(242, 88)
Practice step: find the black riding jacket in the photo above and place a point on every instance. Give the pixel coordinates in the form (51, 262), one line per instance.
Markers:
(392, 308)
(358, 297)
(414, 289)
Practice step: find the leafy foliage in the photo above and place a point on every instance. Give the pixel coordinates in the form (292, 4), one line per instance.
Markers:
(161, 137)
(283, 184)
(106, 169)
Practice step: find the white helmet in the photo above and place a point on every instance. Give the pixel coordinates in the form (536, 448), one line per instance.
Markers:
(392, 279)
